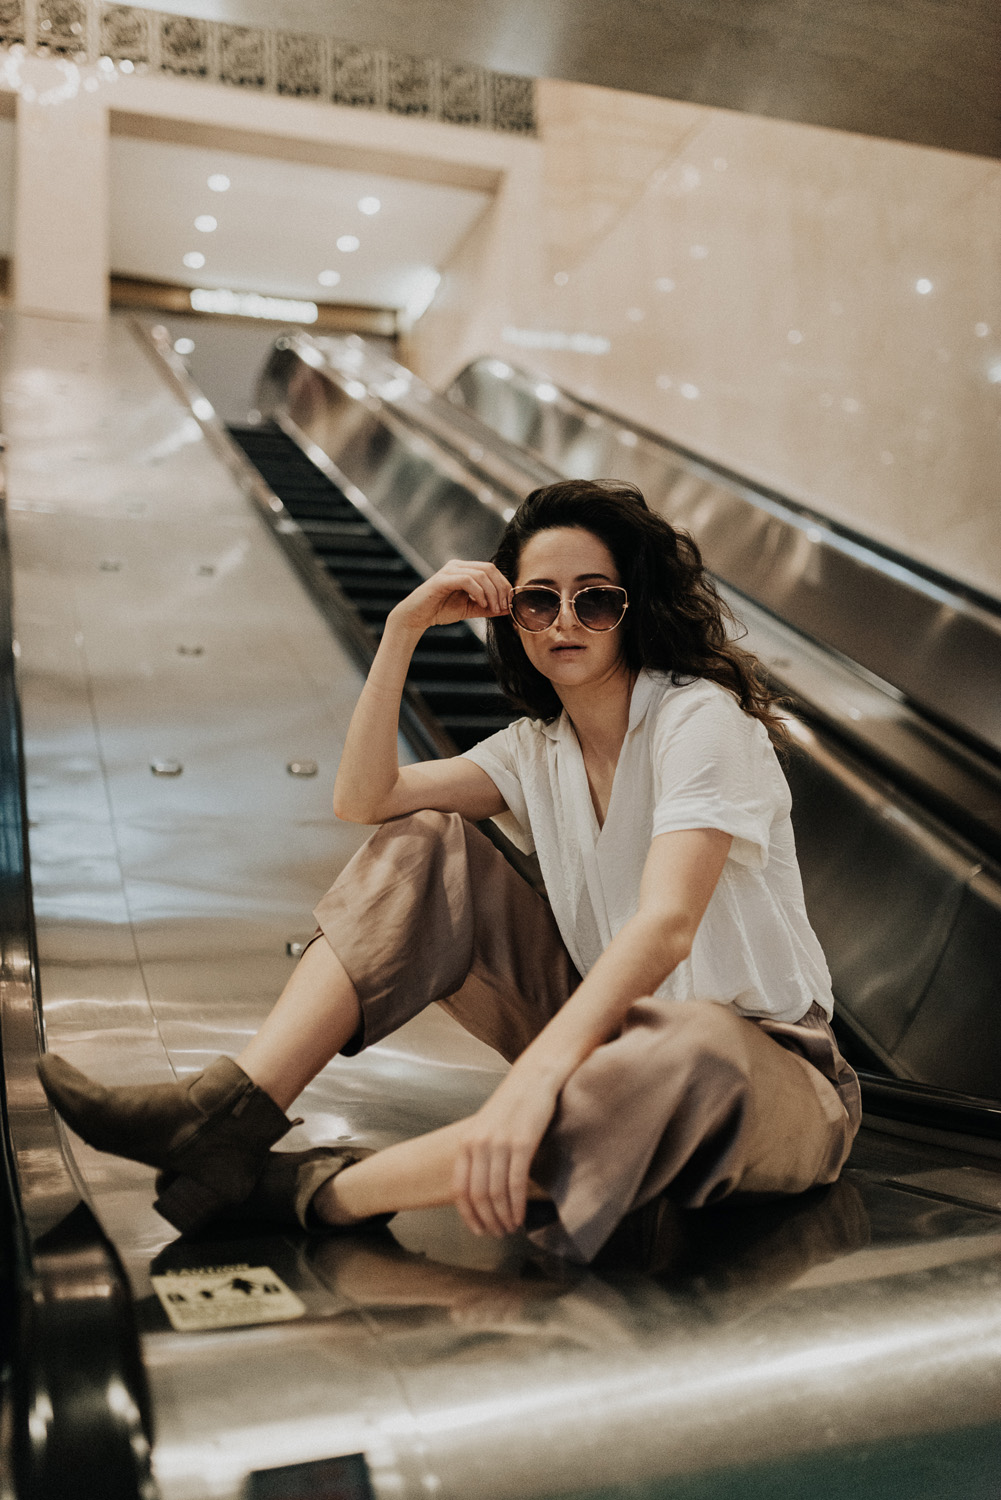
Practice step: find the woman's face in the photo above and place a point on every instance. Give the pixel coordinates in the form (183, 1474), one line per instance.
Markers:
(567, 559)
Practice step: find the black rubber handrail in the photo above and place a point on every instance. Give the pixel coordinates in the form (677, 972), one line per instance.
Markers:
(921, 1104)
(77, 1421)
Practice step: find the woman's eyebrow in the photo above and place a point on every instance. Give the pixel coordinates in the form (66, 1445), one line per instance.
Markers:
(551, 583)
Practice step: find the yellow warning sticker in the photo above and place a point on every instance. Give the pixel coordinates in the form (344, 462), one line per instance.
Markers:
(225, 1297)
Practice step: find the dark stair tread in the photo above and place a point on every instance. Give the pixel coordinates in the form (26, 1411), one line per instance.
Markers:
(450, 668)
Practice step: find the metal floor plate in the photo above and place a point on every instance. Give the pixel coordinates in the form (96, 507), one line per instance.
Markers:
(461, 1368)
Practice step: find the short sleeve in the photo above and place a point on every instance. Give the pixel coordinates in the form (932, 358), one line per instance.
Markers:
(499, 756)
(714, 767)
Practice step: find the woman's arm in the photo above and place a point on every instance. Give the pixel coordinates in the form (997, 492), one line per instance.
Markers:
(371, 786)
(679, 877)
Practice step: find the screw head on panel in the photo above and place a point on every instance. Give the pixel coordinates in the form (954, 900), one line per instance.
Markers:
(302, 768)
(166, 767)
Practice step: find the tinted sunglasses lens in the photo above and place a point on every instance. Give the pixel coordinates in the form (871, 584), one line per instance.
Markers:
(535, 609)
(600, 609)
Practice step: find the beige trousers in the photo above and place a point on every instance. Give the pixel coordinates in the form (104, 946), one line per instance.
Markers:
(695, 1101)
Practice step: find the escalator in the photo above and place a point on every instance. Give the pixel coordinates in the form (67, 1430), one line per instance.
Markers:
(176, 679)
(449, 669)
(878, 785)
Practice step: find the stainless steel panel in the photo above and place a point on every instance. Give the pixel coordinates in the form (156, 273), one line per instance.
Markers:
(935, 641)
(885, 885)
(459, 1367)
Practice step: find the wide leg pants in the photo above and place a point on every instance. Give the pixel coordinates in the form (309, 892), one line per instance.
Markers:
(692, 1100)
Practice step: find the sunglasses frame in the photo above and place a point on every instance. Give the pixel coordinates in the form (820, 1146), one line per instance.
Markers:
(541, 588)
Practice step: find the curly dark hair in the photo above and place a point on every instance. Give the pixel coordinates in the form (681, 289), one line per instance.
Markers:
(676, 622)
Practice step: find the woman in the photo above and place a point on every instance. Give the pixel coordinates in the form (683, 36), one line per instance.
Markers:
(666, 1013)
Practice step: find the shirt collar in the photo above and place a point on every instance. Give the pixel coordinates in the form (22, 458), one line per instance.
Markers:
(646, 688)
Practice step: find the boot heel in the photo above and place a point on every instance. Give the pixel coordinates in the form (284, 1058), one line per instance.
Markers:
(188, 1204)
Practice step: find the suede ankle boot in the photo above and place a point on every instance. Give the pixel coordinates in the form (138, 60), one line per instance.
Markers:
(286, 1187)
(211, 1133)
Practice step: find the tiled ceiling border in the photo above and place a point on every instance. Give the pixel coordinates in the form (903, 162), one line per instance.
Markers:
(293, 64)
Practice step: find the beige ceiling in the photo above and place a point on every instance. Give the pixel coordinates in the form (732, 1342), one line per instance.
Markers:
(278, 223)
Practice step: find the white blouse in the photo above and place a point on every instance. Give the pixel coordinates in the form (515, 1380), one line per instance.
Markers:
(691, 758)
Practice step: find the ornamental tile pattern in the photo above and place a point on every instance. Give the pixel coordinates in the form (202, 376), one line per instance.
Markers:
(410, 85)
(358, 79)
(303, 65)
(11, 22)
(184, 46)
(125, 34)
(62, 26)
(463, 94)
(299, 65)
(243, 57)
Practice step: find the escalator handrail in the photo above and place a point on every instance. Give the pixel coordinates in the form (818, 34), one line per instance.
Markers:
(79, 1420)
(810, 570)
(802, 515)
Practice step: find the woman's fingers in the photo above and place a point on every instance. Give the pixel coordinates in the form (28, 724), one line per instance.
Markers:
(485, 587)
(480, 1198)
(491, 1187)
(460, 590)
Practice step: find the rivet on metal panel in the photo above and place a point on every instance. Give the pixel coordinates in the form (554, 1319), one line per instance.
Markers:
(110, 565)
(166, 767)
(190, 650)
(302, 768)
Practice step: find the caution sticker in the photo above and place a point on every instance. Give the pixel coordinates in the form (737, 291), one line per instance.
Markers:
(225, 1297)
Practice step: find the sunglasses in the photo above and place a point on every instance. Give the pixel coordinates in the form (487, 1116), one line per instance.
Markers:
(599, 607)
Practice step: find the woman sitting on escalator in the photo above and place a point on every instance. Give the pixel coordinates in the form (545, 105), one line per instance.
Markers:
(666, 1010)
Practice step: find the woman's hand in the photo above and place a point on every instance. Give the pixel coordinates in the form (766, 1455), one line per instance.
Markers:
(458, 591)
(495, 1158)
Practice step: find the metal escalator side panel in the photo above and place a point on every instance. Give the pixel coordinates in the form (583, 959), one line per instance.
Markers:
(935, 639)
(80, 1422)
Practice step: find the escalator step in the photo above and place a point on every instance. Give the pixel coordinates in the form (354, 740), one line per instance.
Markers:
(445, 665)
(450, 669)
(353, 536)
(368, 569)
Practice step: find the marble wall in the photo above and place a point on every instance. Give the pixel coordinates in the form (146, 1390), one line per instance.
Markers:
(818, 310)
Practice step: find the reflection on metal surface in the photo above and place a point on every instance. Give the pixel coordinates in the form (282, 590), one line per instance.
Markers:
(938, 642)
(862, 1318)
(913, 960)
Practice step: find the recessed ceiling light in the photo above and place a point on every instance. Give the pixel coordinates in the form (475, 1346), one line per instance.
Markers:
(348, 242)
(329, 278)
(923, 286)
(206, 223)
(369, 205)
(194, 260)
(219, 182)
(184, 346)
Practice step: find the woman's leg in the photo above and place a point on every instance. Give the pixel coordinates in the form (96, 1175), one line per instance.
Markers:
(418, 1173)
(315, 1016)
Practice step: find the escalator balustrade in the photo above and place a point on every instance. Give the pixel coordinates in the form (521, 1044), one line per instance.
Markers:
(449, 669)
